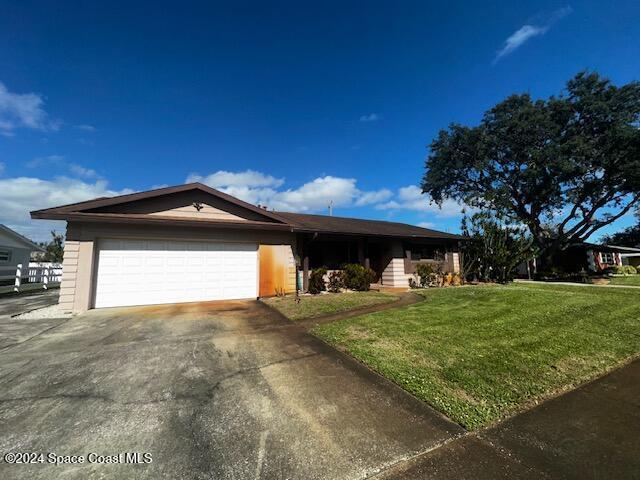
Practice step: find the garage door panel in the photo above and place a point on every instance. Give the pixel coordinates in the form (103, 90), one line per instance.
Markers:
(145, 272)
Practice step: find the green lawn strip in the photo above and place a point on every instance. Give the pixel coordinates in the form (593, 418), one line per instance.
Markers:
(480, 353)
(628, 280)
(312, 306)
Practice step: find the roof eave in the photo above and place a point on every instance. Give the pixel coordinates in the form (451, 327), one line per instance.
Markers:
(450, 236)
(159, 220)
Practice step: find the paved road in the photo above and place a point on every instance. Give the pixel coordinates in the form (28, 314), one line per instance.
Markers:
(15, 304)
(225, 391)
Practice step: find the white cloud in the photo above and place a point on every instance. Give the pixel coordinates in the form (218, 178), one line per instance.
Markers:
(86, 128)
(83, 172)
(412, 198)
(427, 225)
(19, 196)
(2, 167)
(23, 110)
(377, 196)
(314, 196)
(371, 117)
(248, 178)
(537, 27)
(59, 161)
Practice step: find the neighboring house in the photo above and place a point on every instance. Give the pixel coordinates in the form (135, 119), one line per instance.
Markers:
(14, 250)
(193, 243)
(588, 257)
(630, 256)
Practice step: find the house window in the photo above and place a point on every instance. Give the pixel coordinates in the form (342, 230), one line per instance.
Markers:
(5, 256)
(607, 258)
(421, 252)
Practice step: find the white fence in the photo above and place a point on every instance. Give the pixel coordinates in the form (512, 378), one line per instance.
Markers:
(46, 274)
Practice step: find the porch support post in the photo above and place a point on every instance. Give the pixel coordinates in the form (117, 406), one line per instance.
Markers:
(305, 269)
(361, 257)
(407, 261)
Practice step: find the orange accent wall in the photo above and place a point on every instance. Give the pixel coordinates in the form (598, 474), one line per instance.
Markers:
(277, 270)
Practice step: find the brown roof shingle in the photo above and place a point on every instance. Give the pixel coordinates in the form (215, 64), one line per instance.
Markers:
(357, 226)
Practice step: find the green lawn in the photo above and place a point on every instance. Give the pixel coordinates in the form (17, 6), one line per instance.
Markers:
(629, 280)
(480, 353)
(311, 306)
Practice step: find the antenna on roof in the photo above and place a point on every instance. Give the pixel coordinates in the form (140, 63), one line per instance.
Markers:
(330, 206)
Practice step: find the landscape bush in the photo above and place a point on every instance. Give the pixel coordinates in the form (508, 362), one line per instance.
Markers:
(357, 277)
(429, 274)
(336, 281)
(316, 280)
(622, 270)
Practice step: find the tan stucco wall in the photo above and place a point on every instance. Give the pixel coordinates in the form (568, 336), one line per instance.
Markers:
(393, 274)
(79, 265)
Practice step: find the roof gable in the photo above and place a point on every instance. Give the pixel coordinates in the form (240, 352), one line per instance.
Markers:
(189, 201)
(10, 238)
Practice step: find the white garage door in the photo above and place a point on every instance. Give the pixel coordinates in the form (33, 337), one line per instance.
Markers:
(148, 272)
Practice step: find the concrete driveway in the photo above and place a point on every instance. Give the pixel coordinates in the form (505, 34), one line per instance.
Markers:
(16, 304)
(220, 390)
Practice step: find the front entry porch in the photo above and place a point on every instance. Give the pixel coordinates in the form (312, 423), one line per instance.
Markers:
(392, 259)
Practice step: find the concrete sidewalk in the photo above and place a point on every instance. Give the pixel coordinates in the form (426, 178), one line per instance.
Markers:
(589, 433)
(574, 284)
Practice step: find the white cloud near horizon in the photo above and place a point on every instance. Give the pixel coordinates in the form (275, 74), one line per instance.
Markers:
(412, 198)
(313, 196)
(536, 27)
(370, 117)
(2, 167)
(427, 225)
(21, 195)
(23, 110)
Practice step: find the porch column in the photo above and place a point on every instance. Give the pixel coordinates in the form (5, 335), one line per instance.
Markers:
(407, 261)
(361, 258)
(305, 270)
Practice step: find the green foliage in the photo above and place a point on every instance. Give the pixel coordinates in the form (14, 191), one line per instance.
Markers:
(54, 250)
(336, 281)
(528, 161)
(494, 250)
(429, 274)
(629, 237)
(623, 270)
(316, 280)
(357, 277)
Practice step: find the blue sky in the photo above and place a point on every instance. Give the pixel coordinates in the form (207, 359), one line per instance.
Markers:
(286, 104)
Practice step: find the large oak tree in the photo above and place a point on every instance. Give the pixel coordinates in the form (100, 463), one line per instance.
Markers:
(564, 167)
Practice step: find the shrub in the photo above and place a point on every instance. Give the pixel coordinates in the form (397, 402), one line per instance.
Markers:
(336, 281)
(622, 270)
(629, 270)
(316, 280)
(429, 274)
(357, 277)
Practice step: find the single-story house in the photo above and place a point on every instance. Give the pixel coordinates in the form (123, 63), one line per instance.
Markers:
(193, 243)
(14, 250)
(580, 257)
(630, 256)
